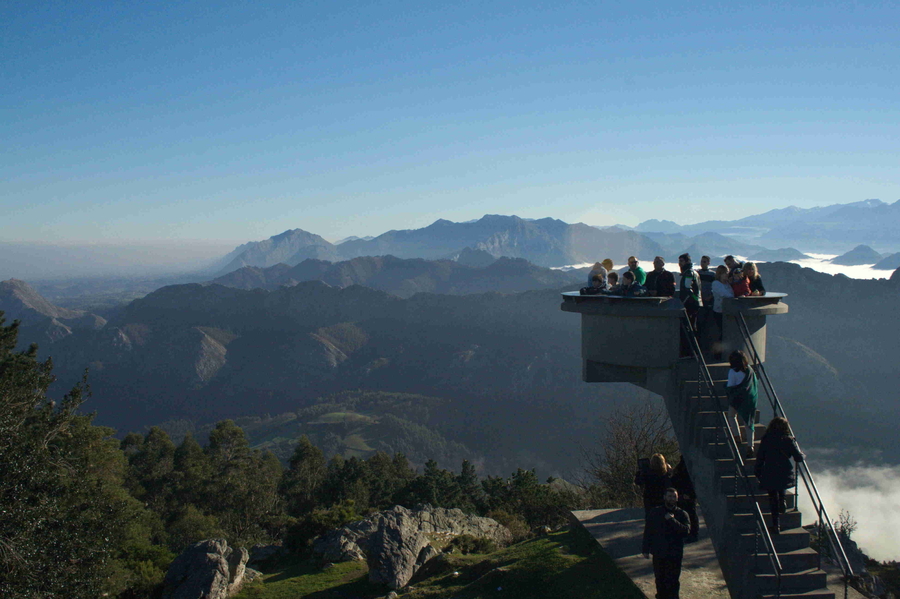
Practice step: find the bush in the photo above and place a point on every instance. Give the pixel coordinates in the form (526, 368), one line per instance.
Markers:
(466, 544)
(515, 523)
(300, 535)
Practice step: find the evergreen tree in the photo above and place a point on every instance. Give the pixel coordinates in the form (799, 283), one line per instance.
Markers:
(68, 528)
(303, 480)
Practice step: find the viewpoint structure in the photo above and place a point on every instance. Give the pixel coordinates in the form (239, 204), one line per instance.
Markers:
(647, 341)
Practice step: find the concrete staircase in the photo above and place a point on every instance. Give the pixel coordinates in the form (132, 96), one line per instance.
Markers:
(728, 510)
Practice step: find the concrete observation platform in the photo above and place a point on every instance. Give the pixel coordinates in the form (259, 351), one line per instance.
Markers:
(638, 339)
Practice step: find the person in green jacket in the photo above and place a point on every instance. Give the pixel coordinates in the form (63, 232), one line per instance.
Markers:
(742, 392)
(640, 277)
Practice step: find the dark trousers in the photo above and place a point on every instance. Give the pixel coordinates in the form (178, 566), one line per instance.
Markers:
(667, 571)
(776, 505)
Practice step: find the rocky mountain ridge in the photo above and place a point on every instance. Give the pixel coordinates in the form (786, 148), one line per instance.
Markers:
(406, 277)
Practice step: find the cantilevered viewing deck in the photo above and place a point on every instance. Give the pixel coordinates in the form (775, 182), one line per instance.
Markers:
(638, 339)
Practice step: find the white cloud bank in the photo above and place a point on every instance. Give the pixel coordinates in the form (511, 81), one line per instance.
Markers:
(819, 262)
(872, 496)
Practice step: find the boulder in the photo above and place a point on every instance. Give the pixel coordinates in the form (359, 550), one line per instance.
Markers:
(394, 552)
(395, 543)
(206, 570)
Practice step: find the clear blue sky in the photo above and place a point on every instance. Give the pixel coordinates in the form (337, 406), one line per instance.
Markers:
(235, 121)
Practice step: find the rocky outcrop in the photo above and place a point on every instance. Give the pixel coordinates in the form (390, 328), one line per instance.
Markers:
(206, 570)
(395, 543)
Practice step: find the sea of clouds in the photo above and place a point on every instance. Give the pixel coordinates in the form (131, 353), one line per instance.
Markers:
(871, 494)
(819, 262)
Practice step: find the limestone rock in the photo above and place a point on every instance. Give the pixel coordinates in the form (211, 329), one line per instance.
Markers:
(206, 570)
(394, 553)
(395, 542)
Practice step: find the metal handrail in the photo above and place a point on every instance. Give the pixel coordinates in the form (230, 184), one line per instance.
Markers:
(812, 490)
(762, 530)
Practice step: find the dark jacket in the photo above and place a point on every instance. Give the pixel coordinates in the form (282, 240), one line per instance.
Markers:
(654, 485)
(757, 285)
(681, 480)
(635, 290)
(689, 288)
(707, 277)
(664, 537)
(773, 462)
(660, 284)
(592, 291)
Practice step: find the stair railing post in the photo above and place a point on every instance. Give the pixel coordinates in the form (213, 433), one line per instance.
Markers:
(826, 527)
(724, 423)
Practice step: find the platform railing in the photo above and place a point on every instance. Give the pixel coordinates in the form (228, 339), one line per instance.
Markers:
(824, 520)
(724, 426)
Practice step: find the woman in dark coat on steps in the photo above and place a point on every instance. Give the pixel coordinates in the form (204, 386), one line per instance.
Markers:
(773, 465)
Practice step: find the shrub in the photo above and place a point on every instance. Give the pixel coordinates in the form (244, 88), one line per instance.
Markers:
(466, 544)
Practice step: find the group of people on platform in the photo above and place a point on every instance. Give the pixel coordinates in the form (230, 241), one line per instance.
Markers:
(735, 279)
(670, 503)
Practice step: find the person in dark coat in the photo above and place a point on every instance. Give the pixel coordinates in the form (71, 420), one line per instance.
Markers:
(630, 287)
(774, 469)
(598, 286)
(687, 498)
(666, 527)
(660, 282)
(654, 481)
(752, 274)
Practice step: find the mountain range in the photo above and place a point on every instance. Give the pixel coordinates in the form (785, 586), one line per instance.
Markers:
(545, 242)
(405, 278)
(505, 366)
(828, 229)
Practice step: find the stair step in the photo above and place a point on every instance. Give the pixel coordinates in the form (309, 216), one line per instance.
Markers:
(713, 418)
(806, 580)
(798, 560)
(791, 539)
(746, 521)
(725, 466)
(743, 503)
(708, 433)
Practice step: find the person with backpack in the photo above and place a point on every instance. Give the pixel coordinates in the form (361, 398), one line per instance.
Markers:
(774, 469)
(742, 393)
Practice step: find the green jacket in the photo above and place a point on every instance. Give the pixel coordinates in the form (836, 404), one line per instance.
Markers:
(640, 277)
(742, 397)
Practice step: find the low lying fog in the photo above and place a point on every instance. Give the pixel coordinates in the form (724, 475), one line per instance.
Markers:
(46, 261)
(872, 496)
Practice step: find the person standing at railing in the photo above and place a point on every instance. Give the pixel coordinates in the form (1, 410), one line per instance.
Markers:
(742, 392)
(660, 282)
(597, 270)
(721, 290)
(774, 469)
(706, 277)
(665, 529)
(640, 276)
(755, 281)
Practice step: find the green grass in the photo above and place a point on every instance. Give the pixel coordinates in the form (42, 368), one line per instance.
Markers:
(342, 417)
(565, 565)
(293, 578)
